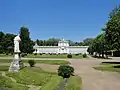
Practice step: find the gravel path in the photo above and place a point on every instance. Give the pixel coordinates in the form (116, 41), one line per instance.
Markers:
(94, 79)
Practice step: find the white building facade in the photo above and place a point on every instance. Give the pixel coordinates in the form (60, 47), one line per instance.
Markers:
(62, 48)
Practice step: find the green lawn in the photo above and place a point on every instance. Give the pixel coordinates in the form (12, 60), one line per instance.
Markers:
(46, 56)
(4, 68)
(5, 60)
(75, 83)
(54, 62)
(30, 76)
(52, 85)
(53, 56)
(35, 76)
(4, 55)
(7, 84)
(108, 67)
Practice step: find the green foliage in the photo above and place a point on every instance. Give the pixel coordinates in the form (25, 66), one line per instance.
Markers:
(112, 29)
(99, 45)
(26, 44)
(65, 71)
(35, 53)
(31, 63)
(23, 54)
(69, 56)
(87, 41)
(49, 42)
(6, 43)
(84, 55)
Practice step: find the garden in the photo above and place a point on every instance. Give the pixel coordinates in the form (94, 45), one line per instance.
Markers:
(33, 77)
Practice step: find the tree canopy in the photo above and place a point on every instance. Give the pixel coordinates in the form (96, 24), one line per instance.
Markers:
(6, 42)
(26, 44)
(112, 29)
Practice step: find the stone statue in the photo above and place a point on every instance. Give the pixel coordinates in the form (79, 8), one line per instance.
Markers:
(16, 44)
(17, 63)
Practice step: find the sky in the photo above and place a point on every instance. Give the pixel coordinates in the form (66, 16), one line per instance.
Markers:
(69, 19)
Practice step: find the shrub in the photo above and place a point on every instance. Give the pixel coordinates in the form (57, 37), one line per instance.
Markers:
(84, 55)
(65, 71)
(23, 54)
(40, 53)
(31, 63)
(35, 53)
(69, 56)
(76, 54)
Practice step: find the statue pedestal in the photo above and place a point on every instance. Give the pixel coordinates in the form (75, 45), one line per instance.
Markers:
(16, 64)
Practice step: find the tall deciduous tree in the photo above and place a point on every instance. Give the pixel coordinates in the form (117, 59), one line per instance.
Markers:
(87, 41)
(26, 44)
(8, 43)
(112, 29)
(2, 35)
(99, 45)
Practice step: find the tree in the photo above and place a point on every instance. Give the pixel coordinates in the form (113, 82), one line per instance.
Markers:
(112, 29)
(26, 44)
(87, 41)
(52, 41)
(8, 43)
(99, 46)
(2, 35)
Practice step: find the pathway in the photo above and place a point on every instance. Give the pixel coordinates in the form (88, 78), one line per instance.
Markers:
(94, 79)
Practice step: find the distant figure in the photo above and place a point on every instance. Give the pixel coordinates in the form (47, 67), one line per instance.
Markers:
(16, 44)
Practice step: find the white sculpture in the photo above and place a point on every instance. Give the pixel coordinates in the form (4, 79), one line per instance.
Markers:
(17, 63)
(16, 43)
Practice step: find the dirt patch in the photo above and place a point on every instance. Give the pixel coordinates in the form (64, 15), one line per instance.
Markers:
(48, 67)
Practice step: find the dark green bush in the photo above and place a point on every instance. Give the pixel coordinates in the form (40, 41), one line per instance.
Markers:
(35, 53)
(69, 56)
(31, 63)
(65, 71)
(76, 54)
(40, 53)
(84, 55)
(23, 54)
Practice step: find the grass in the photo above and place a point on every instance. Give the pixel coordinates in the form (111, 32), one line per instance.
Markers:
(4, 68)
(5, 60)
(30, 76)
(79, 56)
(108, 67)
(53, 62)
(4, 55)
(34, 75)
(53, 56)
(7, 84)
(38, 77)
(75, 83)
(52, 85)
